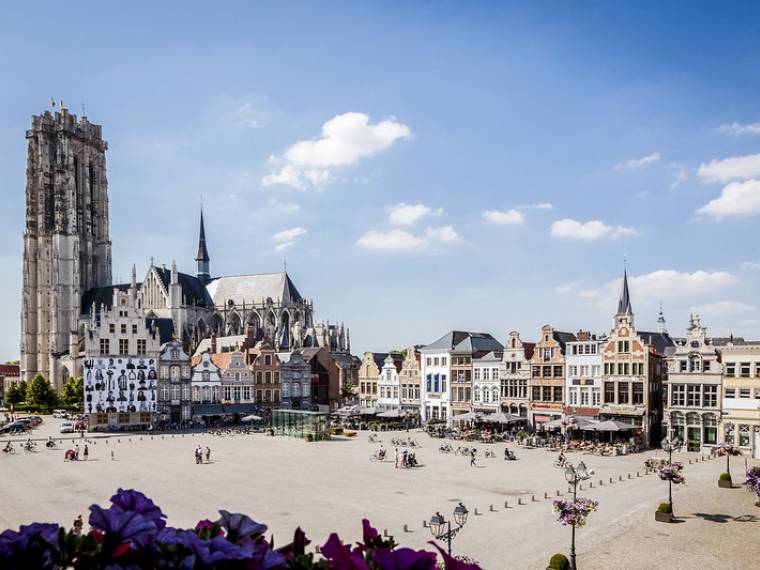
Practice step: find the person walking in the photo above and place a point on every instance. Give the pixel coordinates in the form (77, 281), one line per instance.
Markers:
(396, 457)
(208, 454)
(76, 452)
(86, 452)
(472, 458)
(113, 456)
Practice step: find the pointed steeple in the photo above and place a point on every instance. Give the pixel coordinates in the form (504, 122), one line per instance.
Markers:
(624, 304)
(202, 259)
(661, 322)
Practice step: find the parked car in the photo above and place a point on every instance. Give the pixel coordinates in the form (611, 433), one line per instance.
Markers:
(67, 427)
(14, 427)
(36, 420)
(61, 414)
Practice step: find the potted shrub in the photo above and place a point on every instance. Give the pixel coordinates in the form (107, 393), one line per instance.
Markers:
(724, 481)
(726, 450)
(753, 482)
(558, 562)
(664, 513)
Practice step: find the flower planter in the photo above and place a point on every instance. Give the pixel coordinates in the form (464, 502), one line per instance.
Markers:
(725, 483)
(663, 517)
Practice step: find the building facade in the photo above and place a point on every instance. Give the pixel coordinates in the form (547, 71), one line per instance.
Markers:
(486, 383)
(389, 384)
(410, 381)
(206, 381)
(741, 394)
(237, 380)
(295, 375)
(265, 365)
(67, 248)
(174, 385)
(369, 377)
(515, 375)
(547, 376)
(634, 372)
(583, 370)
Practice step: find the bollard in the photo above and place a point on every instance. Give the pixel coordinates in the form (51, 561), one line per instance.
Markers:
(601, 483)
(406, 528)
(638, 474)
(610, 479)
(629, 475)
(569, 490)
(620, 477)
(506, 504)
(591, 485)
(385, 532)
(317, 549)
(581, 486)
(130, 439)
(490, 508)
(476, 511)
(546, 495)
(424, 524)
(558, 492)
(689, 461)
(519, 500)
(532, 498)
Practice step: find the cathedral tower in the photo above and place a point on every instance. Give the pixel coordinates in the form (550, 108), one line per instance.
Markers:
(66, 243)
(202, 271)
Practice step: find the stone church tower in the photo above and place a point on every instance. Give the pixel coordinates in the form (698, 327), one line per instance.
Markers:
(66, 243)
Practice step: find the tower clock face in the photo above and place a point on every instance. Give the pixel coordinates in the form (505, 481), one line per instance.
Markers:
(695, 344)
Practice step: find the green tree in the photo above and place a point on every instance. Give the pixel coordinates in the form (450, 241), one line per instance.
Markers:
(72, 393)
(14, 395)
(40, 392)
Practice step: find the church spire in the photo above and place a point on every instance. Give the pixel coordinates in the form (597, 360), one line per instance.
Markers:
(624, 304)
(202, 259)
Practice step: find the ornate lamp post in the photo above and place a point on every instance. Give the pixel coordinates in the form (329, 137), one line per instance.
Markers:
(670, 445)
(575, 475)
(441, 529)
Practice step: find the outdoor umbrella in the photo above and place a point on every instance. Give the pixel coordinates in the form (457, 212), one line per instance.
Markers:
(554, 424)
(389, 414)
(500, 418)
(612, 425)
(251, 418)
(469, 416)
(368, 411)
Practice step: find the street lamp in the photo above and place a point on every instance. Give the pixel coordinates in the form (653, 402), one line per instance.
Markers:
(670, 445)
(575, 475)
(441, 529)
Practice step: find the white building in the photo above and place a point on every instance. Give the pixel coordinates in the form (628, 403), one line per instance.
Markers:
(583, 375)
(436, 375)
(486, 384)
(389, 385)
(206, 381)
(741, 394)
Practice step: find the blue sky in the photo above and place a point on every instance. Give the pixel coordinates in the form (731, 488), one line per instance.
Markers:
(402, 157)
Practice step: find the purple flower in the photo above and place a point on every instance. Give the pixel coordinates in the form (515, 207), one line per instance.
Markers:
(33, 546)
(575, 512)
(239, 526)
(369, 533)
(341, 557)
(134, 501)
(404, 559)
(451, 563)
(122, 527)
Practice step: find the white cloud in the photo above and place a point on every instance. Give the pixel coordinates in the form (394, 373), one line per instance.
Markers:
(289, 234)
(751, 265)
(724, 309)
(679, 174)
(594, 229)
(345, 139)
(736, 199)
(509, 217)
(248, 115)
(542, 206)
(407, 214)
(651, 288)
(444, 234)
(633, 163)
(734, 168)
(393, 240)
(402, 240)
(287, 238)
(741, 129)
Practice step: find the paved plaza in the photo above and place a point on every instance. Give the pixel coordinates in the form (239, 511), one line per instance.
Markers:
(331, 486)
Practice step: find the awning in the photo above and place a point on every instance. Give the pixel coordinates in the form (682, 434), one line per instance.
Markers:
(501, 418)
(208, 410)
(240, 408)
(467, 417)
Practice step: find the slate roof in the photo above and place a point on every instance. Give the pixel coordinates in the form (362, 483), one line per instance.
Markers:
(529, 347)
(194, 291)
(563, 338)
(202, 251)
(464, 341)
(624, 303)
(165, 327)
(253, 289)
(660, 341)
(101, 296)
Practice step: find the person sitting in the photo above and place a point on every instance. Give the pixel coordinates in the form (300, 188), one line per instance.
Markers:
(381, 453)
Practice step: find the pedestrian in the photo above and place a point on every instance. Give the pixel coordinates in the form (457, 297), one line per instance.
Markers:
(86, 452)
(78, 525)
(396, 457)
(405, 456)
(113, 456)
(76, 452)
(208, 454)
(472, 458)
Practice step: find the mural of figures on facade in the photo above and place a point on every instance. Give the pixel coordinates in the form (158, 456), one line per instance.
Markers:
(120, 384)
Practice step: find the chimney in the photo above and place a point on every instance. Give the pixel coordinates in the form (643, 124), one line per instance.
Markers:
(213, 344)
(583, 335)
